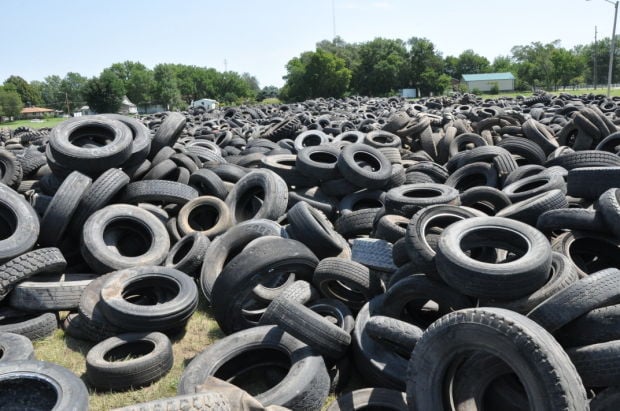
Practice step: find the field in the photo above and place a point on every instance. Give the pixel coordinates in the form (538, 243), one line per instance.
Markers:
(71, 353)
(48, 122)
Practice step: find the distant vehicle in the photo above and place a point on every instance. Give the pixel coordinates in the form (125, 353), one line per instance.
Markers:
(207, 103)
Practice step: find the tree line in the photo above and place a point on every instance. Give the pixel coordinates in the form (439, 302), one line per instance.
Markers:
(383, 66)
(335, 68)
(172, 86)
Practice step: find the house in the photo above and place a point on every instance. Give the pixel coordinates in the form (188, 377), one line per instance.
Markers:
(127, 107)
(35, 112)
(486, 81)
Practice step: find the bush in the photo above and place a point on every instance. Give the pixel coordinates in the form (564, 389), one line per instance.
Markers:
(494, 88)
(476, 91)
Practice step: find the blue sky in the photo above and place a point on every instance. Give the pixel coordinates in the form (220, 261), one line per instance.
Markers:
(54, 37)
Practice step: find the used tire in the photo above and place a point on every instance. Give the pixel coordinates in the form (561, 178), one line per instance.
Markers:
(129, 360)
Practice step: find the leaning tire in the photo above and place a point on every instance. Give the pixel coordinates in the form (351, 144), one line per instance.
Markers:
(542, 365)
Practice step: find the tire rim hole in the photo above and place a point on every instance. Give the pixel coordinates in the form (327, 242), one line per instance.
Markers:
(249, 203)
(323, 157)
(247, 370)
(129, 351)
(183, 250)
(91, 137)
(509, 245)
(422, 193)
(312, 140)
(150, 291)
(366, 203)
(129, 238)
(8, 223)
(203, 217)
(533, 185)
(471, 180)
(27, 393)
(592, 254)
(367, 160)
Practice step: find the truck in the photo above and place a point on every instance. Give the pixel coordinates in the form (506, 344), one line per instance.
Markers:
(207, 103)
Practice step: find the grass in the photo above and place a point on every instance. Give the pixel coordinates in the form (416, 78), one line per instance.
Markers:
(71, 353)
(615, 92)
(48, 122)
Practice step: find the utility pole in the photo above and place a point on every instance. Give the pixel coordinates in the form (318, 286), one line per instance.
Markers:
(595, 58)
(334, 18)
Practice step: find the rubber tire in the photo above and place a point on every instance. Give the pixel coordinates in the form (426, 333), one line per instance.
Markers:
(309, 327)
(60, 210)
(261, 259)
(543, 367)
(508, 280)
(15, 347)
(50, 292)
(122, 373)
(596, 290)
(172, 312)
(305, 387)
(217, 222)
(20, 224)
(70, 393)
(273, 204)
(359, 176)
(187, 254)
(102, 258)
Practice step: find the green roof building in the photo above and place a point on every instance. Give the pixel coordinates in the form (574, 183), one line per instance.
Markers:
(486, 81)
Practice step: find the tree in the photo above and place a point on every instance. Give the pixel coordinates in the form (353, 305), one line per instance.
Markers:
(426, 67)
(230, 87)
(104, 94)
(252, 83)
(471, 63)
(267, 92)
(502, 64)
(72, 90)
(137, 79)
(166, 89)
(349, 52)
(27, 94)
(51, 92)
(382, 67)
(315, 74)
(10, 103)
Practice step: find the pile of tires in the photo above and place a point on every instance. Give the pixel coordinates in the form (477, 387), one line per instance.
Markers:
(453, 252)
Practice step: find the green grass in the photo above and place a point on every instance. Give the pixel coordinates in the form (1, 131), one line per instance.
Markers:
(578, 92)
(71, 353)
(48, 122)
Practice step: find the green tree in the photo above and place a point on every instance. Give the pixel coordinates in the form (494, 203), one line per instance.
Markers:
(231, 87)
(252, 83)
(166, 90)
(315, 74)
(27, 94)
(104, 94)
(349, 52)
(502, 64)
(268, 92)
(72, 91)
(426, 67)
(137, 79)
(51, 93)
(10, 103)
(382, 67)
(471, 63)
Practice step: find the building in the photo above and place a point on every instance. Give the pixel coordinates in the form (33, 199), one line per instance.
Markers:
(207, 103)
(486, 81)
(127, 107)
(35, 112)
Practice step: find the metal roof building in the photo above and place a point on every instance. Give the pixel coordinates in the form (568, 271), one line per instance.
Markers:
(486, 81)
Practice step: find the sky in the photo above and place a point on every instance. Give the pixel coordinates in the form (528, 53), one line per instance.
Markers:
(41, 38)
